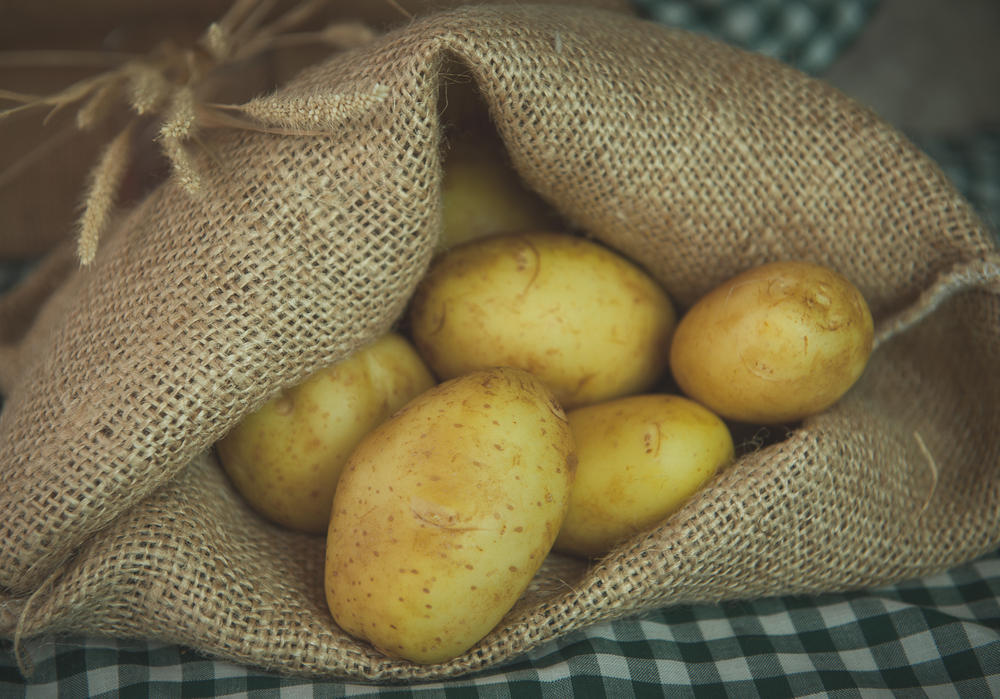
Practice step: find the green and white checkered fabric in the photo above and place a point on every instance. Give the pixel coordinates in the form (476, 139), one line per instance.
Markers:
(939, 636)
(808, 34)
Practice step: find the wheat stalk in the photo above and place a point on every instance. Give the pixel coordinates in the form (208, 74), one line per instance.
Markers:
(165, 84)
(105, 180)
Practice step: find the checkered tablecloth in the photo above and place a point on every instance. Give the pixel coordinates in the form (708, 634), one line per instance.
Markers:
(938, 636)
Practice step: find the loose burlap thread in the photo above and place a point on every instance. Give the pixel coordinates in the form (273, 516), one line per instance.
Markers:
(693, 158)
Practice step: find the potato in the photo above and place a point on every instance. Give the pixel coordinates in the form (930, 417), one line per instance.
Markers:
(446, 511)
(775, 344)
(640, 459)
(589, 323)
(482, 194)
(285, 458)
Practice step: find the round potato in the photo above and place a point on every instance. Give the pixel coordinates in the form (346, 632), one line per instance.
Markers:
(640, 459)
(589, 323)
(775, 344)
(285, 458)
(446, 511)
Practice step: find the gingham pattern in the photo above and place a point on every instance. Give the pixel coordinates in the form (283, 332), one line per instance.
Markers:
(939, 636)
(808, 34)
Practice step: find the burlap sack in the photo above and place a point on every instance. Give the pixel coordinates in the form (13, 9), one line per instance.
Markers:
(693, 158)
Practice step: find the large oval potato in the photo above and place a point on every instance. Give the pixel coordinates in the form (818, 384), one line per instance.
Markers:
(446, 511)
(285, 458)
(589, 323)
(774, 344)
(640, 459)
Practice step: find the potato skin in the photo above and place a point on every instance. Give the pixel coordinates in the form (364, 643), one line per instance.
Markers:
(285, 458)
(774, 344)
(445, 512)
(640, 459)
(589, 323)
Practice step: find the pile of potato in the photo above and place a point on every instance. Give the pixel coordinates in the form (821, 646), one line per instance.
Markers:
(517, 413)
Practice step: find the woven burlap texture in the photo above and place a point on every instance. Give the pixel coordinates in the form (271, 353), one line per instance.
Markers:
(693, 158)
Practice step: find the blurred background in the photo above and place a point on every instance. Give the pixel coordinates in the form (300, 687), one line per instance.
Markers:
(928, 66)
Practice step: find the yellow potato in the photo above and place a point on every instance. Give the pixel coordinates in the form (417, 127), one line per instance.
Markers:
(640, 459)
(777, 343)
(286, 457)
(446, 511)
(589, 323)
(482, 194)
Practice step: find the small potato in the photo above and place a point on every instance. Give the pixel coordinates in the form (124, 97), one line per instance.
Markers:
(640, 459)
(481, 193)
(775, 344)
(446, 511)
(285, 458)
(590, 324)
